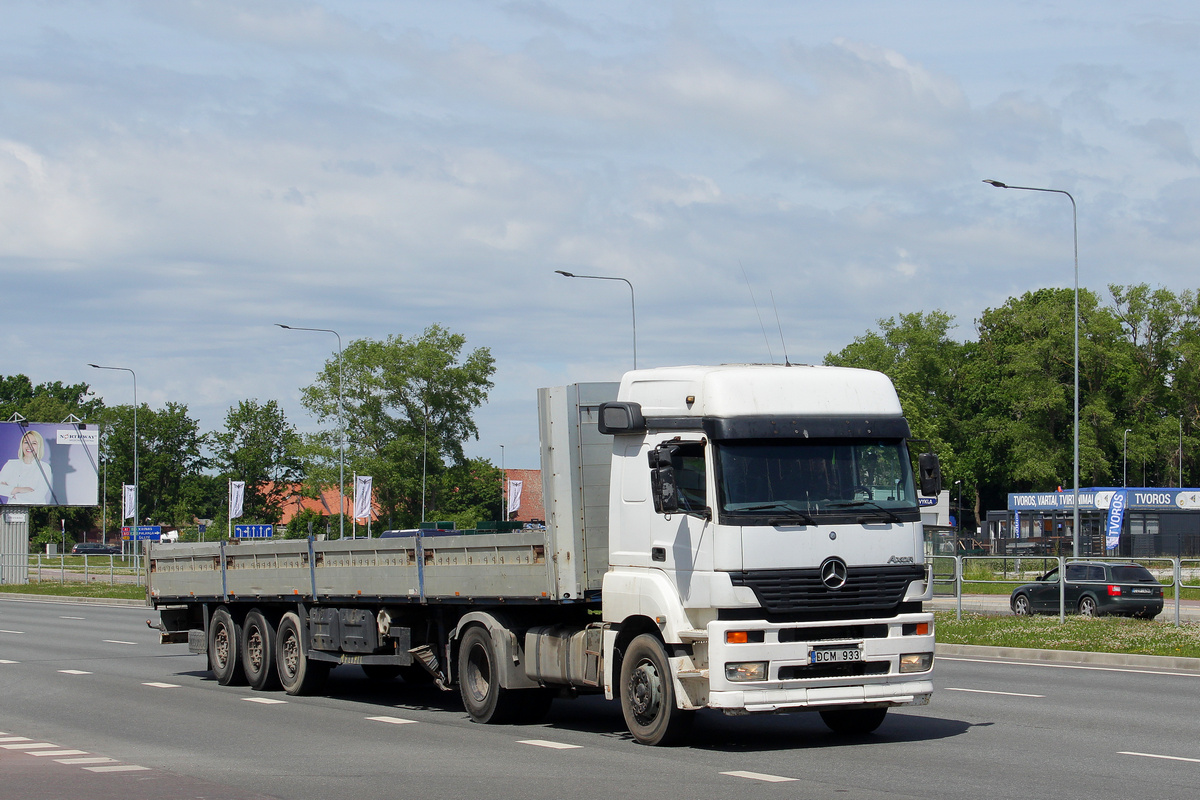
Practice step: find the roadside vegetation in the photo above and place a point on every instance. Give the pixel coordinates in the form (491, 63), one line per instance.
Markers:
(1084, 634)
(96, 589)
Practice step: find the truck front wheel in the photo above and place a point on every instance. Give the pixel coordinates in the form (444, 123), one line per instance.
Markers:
(224, 648)
(258, 651)
(297, 672)
(648, 694)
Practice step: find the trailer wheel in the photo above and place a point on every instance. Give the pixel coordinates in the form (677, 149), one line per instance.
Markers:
(224, 645)
(258, 651)
(854, 721)
(484, 698)
(298, 673)
(648, 694)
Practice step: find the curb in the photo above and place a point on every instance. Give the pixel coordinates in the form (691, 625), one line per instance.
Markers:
(1069, 657)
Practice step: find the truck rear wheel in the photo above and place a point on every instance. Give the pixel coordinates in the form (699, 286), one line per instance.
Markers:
(258, 651)
(648, 694)
(298, 674)
(485, 700)
(854, 721)
(224, 648)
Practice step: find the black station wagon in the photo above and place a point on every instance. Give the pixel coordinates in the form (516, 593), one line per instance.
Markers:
(1093, 588)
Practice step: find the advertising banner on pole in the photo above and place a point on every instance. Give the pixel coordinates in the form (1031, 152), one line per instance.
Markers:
(127, 502)
(514, 496)
(362, 497)
(237, 495)
(44, 464)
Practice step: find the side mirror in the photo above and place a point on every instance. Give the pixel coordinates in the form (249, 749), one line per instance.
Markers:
(931, 474)
(663, 487)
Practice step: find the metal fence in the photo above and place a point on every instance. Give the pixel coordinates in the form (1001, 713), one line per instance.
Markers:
(63, 569)
(953, 575)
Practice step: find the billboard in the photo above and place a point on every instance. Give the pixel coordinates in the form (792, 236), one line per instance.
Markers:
(44, 464)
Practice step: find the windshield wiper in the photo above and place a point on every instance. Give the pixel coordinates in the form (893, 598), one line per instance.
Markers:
(793, 513)
(888, 514)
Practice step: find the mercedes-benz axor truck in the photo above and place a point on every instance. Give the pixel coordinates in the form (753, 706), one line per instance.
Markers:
(743, 538)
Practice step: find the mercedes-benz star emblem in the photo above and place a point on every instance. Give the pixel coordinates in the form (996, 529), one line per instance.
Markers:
(833, 573)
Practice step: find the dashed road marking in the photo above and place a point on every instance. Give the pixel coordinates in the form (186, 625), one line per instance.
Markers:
(27, 745)
(158, 685)
(266, 701)
(549, 744)
(18, 633)
(88, 760)
(6, 661)
(57, 753)
(14, 739)
(986, 691)
(758, 776)
(117, 768)
(393, 720)
(1156, 755)
(74, 672)
(116, 641)
(72, 617)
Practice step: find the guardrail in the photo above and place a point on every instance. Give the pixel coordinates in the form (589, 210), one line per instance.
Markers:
(956, 572)
(19, 569)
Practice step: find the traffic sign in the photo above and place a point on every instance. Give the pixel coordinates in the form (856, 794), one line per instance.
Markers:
(253, 531)
(143, 533)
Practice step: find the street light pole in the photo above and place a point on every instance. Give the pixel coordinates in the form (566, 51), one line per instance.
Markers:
(341, 429)
(632, 302)
(1125, 459)
(133, 536)
(1075, 466)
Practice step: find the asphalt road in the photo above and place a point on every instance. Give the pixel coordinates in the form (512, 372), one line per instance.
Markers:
(148, 724)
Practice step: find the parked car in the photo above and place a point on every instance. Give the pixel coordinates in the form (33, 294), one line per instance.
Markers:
(95, 549)
(1093, 588)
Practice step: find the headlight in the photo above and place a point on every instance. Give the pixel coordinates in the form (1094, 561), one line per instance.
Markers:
(747, 671)
(916, 662)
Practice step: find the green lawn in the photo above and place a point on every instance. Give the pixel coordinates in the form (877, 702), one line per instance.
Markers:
(103, 590)
(1098, 635)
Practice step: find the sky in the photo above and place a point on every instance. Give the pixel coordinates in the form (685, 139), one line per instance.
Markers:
(771, 177)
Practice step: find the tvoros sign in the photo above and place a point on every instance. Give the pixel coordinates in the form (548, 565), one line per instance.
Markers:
(1102, 498)
(44, 464)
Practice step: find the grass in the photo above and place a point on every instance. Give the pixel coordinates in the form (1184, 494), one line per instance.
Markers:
(105, 591)
(1096, 635)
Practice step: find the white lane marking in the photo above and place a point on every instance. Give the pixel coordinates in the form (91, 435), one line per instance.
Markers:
(1072, 666)
(28, 746)
(1156, 755)
(549, 744)
(74, 672)
(72, 617)
(116, 641)
(266, 701)
(117, 768)
(393, 720)
(16, 632)
(158, 685)
(88, 760)
(58, 753)
(758, 776)
(6, 661)
(15, 739)
(985, 691)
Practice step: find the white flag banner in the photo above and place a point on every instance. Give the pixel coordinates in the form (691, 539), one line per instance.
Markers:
(514, 496)
(237, 496)
(127, 497)
(362, 497)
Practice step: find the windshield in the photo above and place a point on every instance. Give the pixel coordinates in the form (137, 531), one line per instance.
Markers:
(766, 481)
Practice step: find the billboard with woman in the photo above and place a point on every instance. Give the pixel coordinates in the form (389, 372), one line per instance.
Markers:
(44, 464)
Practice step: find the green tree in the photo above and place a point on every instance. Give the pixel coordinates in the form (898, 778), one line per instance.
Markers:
(468, 493)
(408, 406)
(258, 446)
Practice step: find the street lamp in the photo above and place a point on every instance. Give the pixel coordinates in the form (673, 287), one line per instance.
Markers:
(1125, 459)
(341, 429)
(135, 448)
(632, 302)
(1075, 466)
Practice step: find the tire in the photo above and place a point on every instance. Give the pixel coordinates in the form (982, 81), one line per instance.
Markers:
(1021, 606)
(1087, 606)
(485, 700)
(854, 721)
(382, 672)
(224, 648)
(648, 694)
(258, 652)
(298, 674)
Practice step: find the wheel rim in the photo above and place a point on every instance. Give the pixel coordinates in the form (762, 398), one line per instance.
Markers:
(1022, 605)
(1087, 607)
(479, 673)
(221, 648)
(254, 649)
(645, 692)
(290, 651)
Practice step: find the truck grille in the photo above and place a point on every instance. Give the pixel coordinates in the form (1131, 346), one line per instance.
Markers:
(788, 591)
(851, 670)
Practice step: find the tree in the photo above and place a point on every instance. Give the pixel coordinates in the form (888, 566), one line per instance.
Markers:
(468, 493)
(46, 402)
(408, 409)
(258, 446)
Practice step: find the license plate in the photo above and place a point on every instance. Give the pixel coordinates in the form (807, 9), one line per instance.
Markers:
(832, 655)
(1138, 590)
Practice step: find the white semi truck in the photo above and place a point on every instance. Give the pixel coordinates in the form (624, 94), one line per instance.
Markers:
(745, 538)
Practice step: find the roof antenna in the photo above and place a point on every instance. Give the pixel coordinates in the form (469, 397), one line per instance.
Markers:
(786, 363)
(760, 320)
